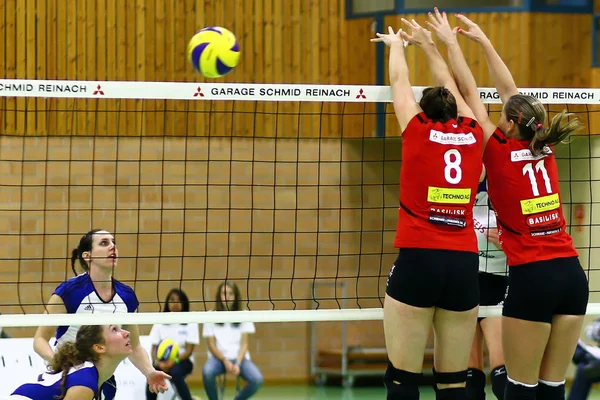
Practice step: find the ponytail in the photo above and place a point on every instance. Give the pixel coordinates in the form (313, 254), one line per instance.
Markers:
(66, 358)
(70, 354)
(555, 134)
(74, 258)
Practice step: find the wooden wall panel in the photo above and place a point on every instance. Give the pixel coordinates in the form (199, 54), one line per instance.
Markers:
(308, 42)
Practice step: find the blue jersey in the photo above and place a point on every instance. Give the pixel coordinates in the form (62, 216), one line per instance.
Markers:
(48, 387)
(79, 296)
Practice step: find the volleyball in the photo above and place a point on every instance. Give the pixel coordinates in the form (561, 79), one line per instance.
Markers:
(168, 349)
(213, 51)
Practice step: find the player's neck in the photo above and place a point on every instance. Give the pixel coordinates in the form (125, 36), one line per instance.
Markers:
(101, 277)
(106, 367)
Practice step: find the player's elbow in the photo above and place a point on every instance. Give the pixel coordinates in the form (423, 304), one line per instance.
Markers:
(42, 348)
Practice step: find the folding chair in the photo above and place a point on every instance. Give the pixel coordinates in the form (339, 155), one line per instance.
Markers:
(221, 383)
(170, 394)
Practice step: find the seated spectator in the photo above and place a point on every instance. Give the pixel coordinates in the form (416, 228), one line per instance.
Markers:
(228, 347)
(588, 364)
(186, 336)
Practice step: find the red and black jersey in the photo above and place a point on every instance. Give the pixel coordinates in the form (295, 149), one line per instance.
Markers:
(524, 191)
(441, 165)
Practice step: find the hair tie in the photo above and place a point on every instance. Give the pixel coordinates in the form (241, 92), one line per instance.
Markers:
(539, 126)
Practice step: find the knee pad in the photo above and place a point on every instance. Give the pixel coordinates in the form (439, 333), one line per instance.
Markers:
(448, 378)
(400, 384)
(458, 393)
(519, 391)
(551, 390)
(476, 380)
(498, 378)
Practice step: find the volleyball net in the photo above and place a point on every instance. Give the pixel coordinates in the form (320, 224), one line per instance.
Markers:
(286, 190)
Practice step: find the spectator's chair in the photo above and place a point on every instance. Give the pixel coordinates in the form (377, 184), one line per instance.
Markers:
(221, 383)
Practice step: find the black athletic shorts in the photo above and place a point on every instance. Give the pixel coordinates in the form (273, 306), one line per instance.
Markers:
(492, 289)
(435, 278)
(542, 289)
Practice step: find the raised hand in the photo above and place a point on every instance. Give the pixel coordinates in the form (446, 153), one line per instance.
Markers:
(388, 38)
(473, 30)
(419, 36)
(438, 22)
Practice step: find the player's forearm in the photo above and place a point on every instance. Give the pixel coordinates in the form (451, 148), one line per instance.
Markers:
(43, 349)
(462, 73)
(437, 65)
(501, 76)
(141, 360)
(398, 69)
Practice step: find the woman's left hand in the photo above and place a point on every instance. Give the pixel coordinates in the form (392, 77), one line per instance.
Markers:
(388, 38)
(157, 381)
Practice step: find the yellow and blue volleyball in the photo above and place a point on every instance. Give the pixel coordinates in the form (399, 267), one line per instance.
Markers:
(213, 51)
(168, 349)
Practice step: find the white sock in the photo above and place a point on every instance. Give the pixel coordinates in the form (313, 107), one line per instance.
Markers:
(529, 385)
(552, 384)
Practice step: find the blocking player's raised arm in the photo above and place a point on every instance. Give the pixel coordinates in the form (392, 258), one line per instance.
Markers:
(463, 76)
(437, 65)
(405, 105)
(503, 79)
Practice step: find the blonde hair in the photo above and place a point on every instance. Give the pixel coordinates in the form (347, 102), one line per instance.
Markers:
(529, 115)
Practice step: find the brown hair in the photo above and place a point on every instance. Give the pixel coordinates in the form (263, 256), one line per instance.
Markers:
(237, 303)
(439, 104)
(529, 115)
(183, 299)
(70, 354)
(85, 244)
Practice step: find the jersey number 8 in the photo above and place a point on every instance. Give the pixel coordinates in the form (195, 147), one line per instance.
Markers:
(452, 172)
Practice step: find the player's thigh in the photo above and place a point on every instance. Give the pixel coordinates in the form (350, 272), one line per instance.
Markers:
(527, 316)
(568, 318)
(476, 356)
(523, 344)
(492, 334)
(492, 290)
(566, 329)
(455, 317)
(406, 332)
(454, 332)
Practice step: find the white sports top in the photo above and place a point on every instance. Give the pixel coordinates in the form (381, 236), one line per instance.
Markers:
(491, 259)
